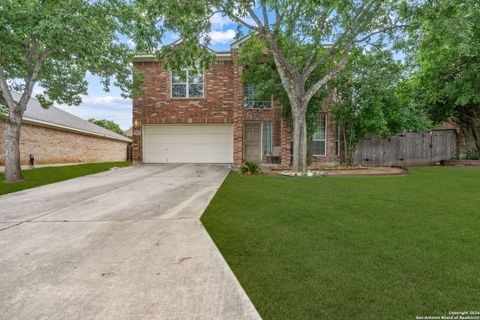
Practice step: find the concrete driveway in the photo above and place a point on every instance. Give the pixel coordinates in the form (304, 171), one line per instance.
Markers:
(124, 244)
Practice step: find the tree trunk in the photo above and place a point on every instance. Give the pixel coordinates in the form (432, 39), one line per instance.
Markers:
(475, 136)
(475, 129)
(13, 170)
(299, 141)
(347, 147)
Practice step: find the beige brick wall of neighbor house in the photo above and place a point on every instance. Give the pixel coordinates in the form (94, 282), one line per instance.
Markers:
(51, 146)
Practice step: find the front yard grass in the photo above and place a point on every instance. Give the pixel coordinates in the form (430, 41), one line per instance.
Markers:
(47, 175)
(353, 247)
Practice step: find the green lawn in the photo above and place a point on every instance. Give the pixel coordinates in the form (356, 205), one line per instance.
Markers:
(353, 247)
(41, 176)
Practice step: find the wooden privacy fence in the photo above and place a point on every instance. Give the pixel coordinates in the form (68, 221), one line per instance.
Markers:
(407, 149)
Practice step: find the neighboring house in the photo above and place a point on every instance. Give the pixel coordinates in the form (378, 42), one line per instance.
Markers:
(55, 136)
(128, 133)
(210, 117)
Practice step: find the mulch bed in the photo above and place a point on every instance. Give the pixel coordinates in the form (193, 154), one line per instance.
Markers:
(346, 171)
(461, 163)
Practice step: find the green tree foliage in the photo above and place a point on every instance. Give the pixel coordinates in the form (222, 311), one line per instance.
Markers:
(54, 44)
(374, 98)
(260, 71)
(107, 124)
(286, 26)
(446, 49)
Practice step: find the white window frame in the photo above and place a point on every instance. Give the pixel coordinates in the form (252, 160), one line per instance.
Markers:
(271, 138)
(338, 132)
(187, 84)
(263, 104)
(326, 135)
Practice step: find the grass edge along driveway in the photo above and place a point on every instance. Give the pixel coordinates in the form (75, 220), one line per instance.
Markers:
(353, 247)
(46, 175)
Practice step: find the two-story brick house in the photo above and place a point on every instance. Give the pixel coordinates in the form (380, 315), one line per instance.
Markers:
(211, 118)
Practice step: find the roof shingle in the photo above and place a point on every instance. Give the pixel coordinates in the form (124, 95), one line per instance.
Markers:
(57, 117)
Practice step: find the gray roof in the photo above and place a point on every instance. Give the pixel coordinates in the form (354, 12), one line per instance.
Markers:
(55, 117)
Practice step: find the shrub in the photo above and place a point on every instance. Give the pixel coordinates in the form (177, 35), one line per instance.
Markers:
(472, 155)
(250, 168)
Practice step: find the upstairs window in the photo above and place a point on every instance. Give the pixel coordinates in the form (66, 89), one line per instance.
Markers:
(250, 100)
(187, 84)
(319, 139)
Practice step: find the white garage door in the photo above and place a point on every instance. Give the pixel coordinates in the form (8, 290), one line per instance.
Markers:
(188, 143)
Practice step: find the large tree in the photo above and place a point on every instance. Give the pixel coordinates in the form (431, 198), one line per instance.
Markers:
(107, 124)
(285, 25)
(54, 44)
(375, 97)
(259, 71)
(446, 49)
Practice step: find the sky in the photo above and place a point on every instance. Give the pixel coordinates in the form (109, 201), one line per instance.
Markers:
(111, 106)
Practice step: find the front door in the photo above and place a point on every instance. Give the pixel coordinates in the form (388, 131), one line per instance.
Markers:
(253, 141)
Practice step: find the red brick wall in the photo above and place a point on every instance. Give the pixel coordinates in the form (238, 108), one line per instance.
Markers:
(157, 106)
(222, 103)
(243, 115)
(331, 158)
(238, 111)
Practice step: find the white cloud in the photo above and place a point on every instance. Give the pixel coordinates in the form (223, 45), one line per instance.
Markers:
(250, 21)
(103, 100)
(113, 108)
(222, 37)
(218, 21)
(120, 113)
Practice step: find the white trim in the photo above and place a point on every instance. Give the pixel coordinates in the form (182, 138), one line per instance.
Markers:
(143, 143)
(326, 135)
(246, 101)
(238, 43)
(186, 89)
(41, 123)
(271, 136)
(338, 131)
(261, 141)
(221, 56)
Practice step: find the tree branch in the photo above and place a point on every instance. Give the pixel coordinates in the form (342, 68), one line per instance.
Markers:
(265, 15)
(278, 16)
(333, 49)
(239, 19)
(6, 93)
(32, 79)
(280, 59)
(309, 59)
(352, 32)
(381, 31)
(255, 18)
(323, 23)
(340, 66)
(211, 15)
